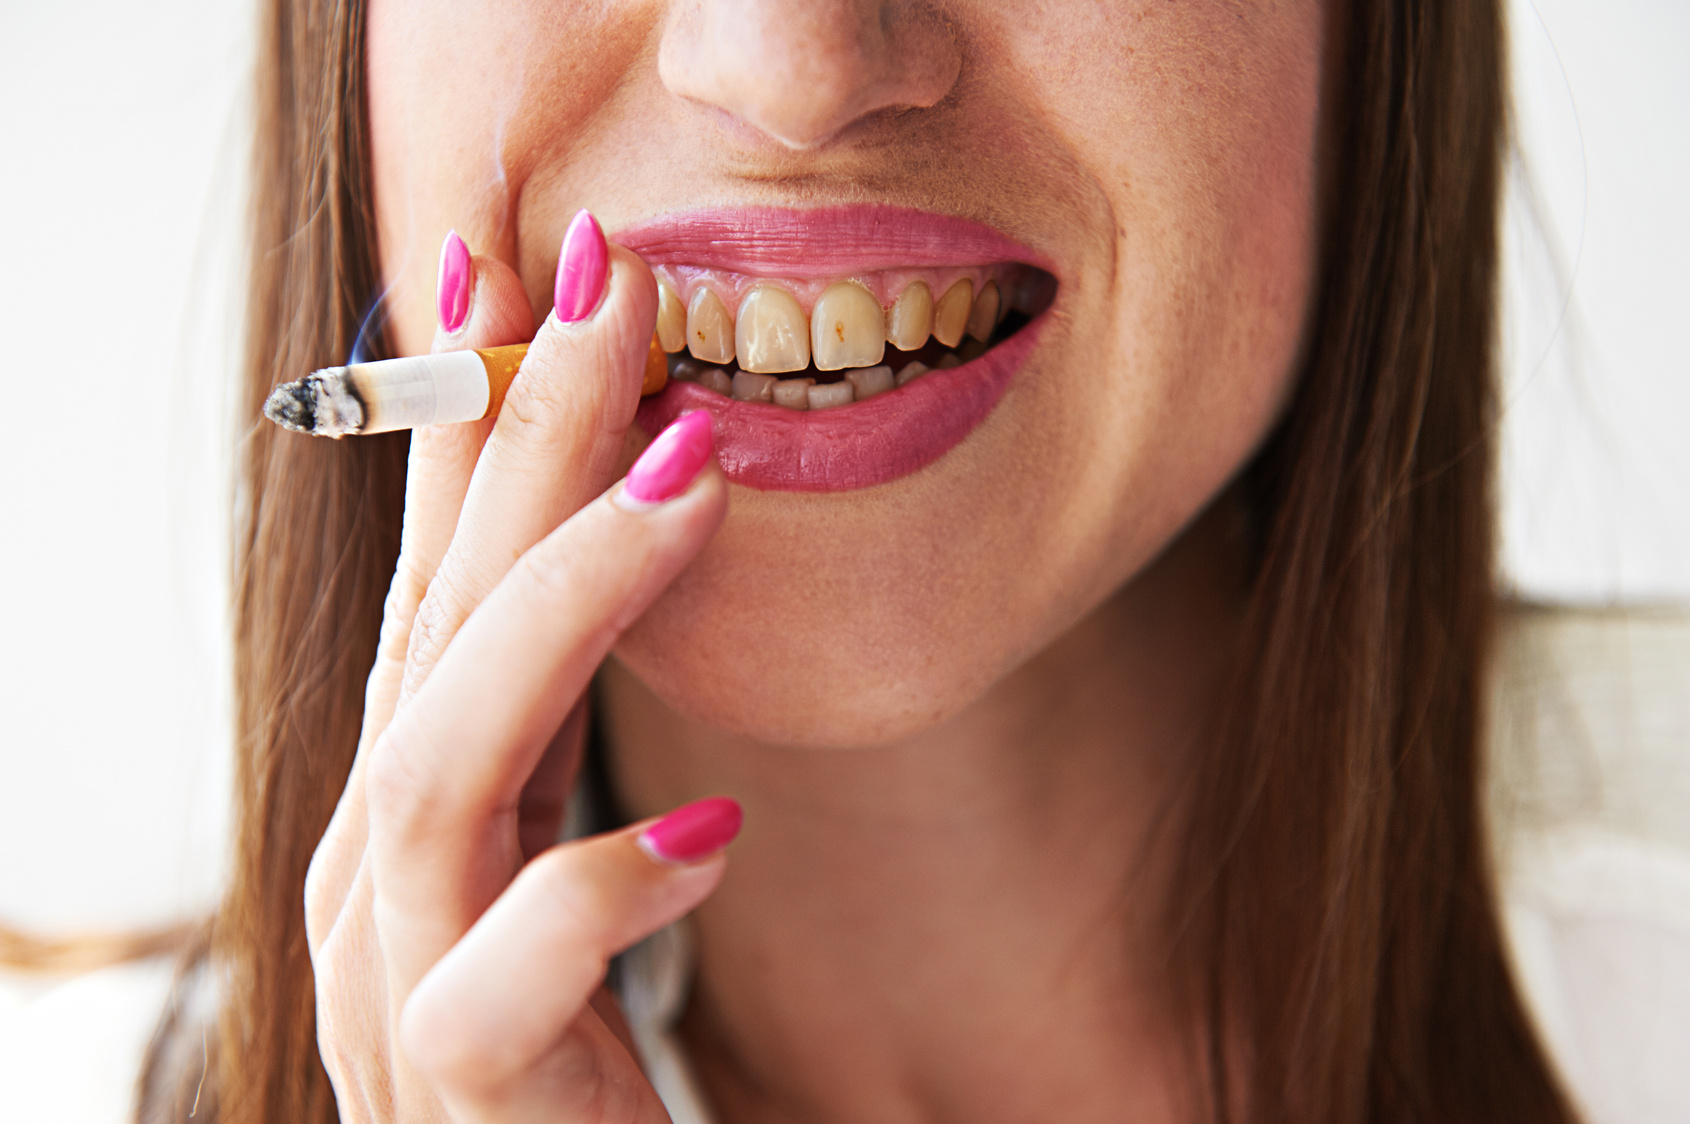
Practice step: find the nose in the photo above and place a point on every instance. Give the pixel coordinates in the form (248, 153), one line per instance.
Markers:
(801, 71)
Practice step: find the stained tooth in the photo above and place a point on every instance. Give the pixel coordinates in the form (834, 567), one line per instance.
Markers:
(749, 387)
(671, 319)
(910, 320)
(714, 378)
(710, 330)
(866, 382)
(847, 328)
(794, 394)
(825, 396)
(950, 315)
(983, 320)
(686, 370)
(914, 369)
(945, 362)
(770, 334)
(970, 350)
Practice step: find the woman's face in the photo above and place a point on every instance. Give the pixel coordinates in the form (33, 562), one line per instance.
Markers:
(884, 563)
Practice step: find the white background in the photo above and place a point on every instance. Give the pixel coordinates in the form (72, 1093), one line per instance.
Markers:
(122, 150)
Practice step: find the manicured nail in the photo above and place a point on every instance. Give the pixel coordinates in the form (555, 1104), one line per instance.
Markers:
(693, 831)
(672, 461)
(451, 292)
(581, 266)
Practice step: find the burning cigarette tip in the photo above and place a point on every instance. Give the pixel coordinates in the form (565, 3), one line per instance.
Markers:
(293, 406)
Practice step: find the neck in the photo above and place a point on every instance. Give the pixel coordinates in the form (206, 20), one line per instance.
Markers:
(964, 924)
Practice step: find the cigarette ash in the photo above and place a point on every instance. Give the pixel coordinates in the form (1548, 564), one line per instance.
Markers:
(322, 403)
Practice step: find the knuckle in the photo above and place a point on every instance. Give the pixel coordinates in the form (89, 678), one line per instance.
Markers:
(555, 568)
(397, 794)
(584, 905)
(537, 405)
(451, 1055)
(437, 618)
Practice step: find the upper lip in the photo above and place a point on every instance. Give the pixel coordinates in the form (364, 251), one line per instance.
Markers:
(823, 242)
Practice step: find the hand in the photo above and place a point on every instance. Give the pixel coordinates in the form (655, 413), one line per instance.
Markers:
(459, 956)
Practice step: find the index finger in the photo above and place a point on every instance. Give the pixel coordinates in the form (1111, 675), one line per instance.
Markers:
(556, 444)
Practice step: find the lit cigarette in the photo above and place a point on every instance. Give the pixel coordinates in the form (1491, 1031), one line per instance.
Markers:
(453, 386)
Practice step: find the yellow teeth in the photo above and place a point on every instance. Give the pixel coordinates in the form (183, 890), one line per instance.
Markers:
(710, 330)
(770, 335)
(983, 320)
(910, 319)
(671, 319)
(749, 387)
(950, 315)
(866, 382)
(914, 369)
(794, 394)
(826, 397)
(847, 328)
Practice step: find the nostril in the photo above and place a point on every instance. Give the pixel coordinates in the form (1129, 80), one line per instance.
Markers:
(801, 74)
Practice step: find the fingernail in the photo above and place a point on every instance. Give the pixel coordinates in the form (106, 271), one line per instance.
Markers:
(672, 461)
(693, 831)
(451, 292)
(581, 266)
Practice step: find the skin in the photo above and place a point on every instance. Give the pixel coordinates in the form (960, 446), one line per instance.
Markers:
(953, 706)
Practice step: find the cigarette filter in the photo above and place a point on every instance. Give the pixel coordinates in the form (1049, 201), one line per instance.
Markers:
(452, 386)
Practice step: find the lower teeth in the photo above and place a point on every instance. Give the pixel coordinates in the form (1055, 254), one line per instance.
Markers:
(805, 393)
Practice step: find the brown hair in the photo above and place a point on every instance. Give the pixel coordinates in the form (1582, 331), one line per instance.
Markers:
(1340, 922)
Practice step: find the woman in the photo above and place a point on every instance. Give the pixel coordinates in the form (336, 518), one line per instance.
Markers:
(1102, 704)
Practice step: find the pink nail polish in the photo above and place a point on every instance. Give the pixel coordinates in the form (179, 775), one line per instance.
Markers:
(451, 291)
(581, 267)
(672, 461)
(693, 831)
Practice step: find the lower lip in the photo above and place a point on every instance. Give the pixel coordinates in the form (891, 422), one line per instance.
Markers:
(858, 446)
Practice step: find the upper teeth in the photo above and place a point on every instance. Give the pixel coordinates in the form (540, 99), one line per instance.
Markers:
(848, 325)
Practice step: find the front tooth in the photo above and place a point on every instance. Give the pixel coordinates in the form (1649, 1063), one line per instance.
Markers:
(794, 394)
(770, 335)
(869, 381)
(671, 318)
(847, 328)
(748, 387)
(710, 330)
(984, 319)
(824, 396)
(950, 315)
(913, 370)
(910, 320)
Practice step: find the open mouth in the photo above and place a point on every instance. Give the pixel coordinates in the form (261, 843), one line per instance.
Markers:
(841, 348)
(829, 345)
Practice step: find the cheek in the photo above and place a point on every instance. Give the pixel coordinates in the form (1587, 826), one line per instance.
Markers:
(465, 100)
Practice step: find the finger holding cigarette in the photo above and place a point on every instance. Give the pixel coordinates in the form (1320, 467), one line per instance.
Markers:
(443, 388)
(558, 437)
(481, 303)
